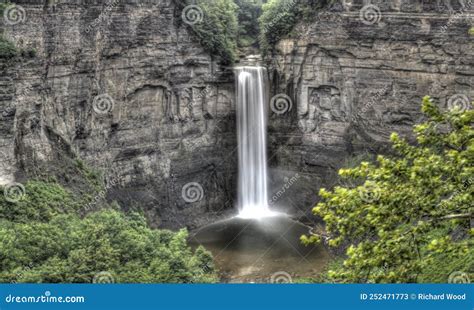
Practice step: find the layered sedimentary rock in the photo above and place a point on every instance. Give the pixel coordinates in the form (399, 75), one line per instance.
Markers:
(356, 74)
(126, 87)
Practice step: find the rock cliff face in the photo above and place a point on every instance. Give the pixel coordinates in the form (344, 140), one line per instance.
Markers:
(126, 87)
(355, 74)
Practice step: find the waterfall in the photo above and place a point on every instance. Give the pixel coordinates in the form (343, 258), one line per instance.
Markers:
(252, 99)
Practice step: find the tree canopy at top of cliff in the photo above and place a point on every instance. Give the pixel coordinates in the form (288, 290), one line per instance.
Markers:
(226, 25)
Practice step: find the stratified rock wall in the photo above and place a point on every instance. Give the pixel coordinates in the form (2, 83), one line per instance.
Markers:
(125, 86)
(355, 75)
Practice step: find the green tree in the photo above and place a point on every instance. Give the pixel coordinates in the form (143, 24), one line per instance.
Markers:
(409, 219)
(279, 17)
(43, 201)
(8, 50)
(277, 20)
(248, 14)
(215, 24)
(43, 239)
(104, 246)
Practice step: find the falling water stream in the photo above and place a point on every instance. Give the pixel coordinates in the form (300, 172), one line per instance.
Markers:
(258, 245)
(252, 96)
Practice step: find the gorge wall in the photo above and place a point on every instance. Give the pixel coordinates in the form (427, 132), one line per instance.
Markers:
(125, 86)
(354, 75)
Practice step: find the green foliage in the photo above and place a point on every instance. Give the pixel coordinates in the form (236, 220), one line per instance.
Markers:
(8, 50)
(104, 244)
(3, 6)
(85, 182)
(218, 29)
(93, 177)
(28, 52)
(45, 197)
(471, 31)
(41, 202)
(248, 13)
(43, 239)
(226, 24)
(412, 212)
(277, 20)
(279, 17)
(444, 263)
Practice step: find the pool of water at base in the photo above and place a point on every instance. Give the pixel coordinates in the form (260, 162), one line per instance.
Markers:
(261, 251)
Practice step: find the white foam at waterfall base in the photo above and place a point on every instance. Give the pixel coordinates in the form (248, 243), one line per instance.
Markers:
(252, 110)
(257, 213)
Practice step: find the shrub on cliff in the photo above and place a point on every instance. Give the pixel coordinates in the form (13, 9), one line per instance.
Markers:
(277, 20)
(249, 12)
(36, 201)
(215, 24)
(8, 50)
(409, 219)
(107, 246)
(43, 198)
(279, 17)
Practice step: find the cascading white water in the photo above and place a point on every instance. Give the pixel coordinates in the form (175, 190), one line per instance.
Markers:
(252, 98)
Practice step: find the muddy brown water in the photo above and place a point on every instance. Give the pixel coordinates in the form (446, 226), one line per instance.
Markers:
(256, 251)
